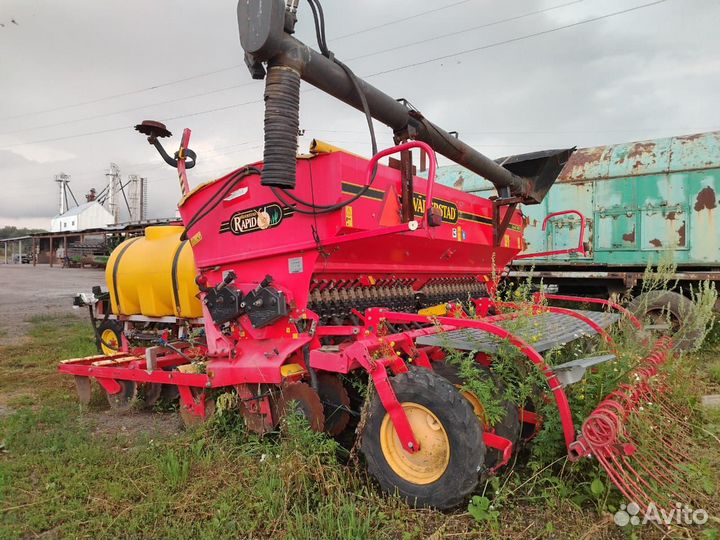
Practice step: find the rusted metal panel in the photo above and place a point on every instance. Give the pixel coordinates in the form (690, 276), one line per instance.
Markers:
(641, 199)
(646, 157)
(658, 156)
(587, 163)
(700, 151)
(605, 275)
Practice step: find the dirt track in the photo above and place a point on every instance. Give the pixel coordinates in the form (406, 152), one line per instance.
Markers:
(26, 291)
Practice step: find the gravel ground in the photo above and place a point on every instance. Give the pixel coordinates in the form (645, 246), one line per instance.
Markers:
(27, 290)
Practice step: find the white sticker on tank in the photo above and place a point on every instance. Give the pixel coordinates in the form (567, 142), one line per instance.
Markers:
(295, 265)
(237, 193)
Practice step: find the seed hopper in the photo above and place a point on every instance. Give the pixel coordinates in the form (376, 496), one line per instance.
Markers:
(306, 271)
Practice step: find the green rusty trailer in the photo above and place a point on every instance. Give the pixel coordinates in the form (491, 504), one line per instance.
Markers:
(641, 200)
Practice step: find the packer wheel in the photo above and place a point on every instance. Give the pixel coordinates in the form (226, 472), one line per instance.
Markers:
(125, 398)
(190, 420)
(335, 401)
(445, 469)
(508, 427)
(154, 393)
(304, 399)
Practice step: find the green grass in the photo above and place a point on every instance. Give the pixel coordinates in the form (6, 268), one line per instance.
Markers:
(32, 365)
(713, 369)
(73, 472)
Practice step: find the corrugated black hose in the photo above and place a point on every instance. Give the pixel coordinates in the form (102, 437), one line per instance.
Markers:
(282, 120)
(315, 209)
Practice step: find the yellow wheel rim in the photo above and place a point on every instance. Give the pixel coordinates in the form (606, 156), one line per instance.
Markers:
(110, 337)
(427, 464)
(477, 405)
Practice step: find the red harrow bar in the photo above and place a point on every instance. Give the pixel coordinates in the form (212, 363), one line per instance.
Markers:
(660, 470)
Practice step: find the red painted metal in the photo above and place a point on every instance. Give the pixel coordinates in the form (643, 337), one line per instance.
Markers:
(194, 404)
(642, 476)
(602, 428)
(424, 147)
(139, 375)
(581, 241)
(498, 443)
(331, 252)
(111, 386)
(387, 396)
(529, 417)
(530, 353)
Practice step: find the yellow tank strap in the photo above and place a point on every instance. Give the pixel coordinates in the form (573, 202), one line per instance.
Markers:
(175, 284)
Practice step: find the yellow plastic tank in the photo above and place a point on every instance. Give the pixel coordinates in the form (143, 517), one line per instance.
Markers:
(154, 275)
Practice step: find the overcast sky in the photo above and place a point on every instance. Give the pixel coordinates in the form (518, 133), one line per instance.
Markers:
(73, 68)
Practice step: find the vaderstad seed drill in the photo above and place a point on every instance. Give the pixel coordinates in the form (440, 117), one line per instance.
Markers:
(311, 270)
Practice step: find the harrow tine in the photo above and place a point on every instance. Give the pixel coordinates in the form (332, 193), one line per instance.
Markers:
(618, 476)
(645, 471)
(660, 493)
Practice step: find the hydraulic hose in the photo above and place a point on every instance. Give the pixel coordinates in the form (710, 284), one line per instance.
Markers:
(282, 120)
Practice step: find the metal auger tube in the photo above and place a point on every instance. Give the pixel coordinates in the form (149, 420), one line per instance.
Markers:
(265, 34)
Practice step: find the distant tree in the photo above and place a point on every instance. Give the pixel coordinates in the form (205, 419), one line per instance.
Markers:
(12, 231)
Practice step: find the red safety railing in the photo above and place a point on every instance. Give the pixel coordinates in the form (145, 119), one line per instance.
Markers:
(432, 167)
(581, 241)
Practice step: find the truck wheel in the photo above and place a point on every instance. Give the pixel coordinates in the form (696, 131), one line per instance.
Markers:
(661, 307)
(508, 427)
(445, 469)
(108, 337)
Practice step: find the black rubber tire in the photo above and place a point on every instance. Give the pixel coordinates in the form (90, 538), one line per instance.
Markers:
(686, 336)
(508, 427)
(357, 399)
(115, 326)
(463, 429)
